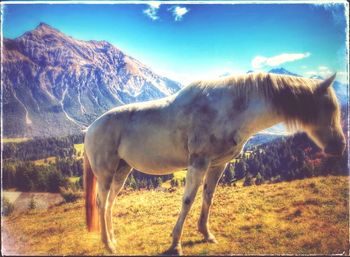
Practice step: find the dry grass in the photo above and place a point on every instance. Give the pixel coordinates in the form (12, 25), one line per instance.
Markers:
(178, 175)
(79, 148)
(301, 217)
(73, 179)
(15, 140)
(11, 195)
(42, 162)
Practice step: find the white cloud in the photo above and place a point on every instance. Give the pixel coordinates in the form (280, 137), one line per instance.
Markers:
(207, 74)
(311, 73)
(325, 72)
(152, 10)
(154, 4)
(323, 68)
(342, 76)
(179, 12)
(261, 61)
(258, 62)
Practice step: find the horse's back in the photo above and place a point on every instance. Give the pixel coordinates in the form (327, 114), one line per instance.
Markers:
(154, 139)
(145, 135)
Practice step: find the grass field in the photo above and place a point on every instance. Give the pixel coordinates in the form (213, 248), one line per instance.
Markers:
(79, 148)
(42, 162)
(15, 139)
(73, 179)
(307, 216)
(178, 175)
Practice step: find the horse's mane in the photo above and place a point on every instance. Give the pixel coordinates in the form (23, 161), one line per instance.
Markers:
(292, 97)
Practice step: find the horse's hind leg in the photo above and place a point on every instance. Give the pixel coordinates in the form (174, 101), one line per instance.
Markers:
(103, 185)
(118, 181)
(211, 181)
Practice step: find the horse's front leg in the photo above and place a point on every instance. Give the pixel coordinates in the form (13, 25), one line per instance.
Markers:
(196, 171)
(211, 181)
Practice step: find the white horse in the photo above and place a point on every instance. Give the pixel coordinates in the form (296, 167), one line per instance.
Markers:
(200, 128)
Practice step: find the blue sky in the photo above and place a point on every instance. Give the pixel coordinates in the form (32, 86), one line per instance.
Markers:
(193, 41)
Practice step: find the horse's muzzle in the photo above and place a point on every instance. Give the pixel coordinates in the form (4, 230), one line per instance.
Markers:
(335, 148)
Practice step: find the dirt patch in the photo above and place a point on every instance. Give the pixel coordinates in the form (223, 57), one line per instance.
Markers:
(42, 201)
(8, 244)
(12, 196)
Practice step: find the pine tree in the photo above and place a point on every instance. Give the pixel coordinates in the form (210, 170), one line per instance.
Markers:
(258, 179)
(248, 181)
(32, 204)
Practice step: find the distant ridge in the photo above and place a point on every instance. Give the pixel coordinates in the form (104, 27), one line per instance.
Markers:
(283, 72)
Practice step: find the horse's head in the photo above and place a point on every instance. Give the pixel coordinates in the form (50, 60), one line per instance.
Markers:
(325, 129)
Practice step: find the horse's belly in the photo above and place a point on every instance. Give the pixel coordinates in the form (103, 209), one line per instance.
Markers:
(154, 164)
(154, 157)
(156, 167)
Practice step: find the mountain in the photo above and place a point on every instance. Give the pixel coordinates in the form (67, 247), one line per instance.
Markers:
(260, 139)
(55, 85)
(283, 72)
(341, 90)
(315, 77)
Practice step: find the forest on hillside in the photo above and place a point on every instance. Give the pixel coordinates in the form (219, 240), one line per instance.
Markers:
(47, 164)
(284, 159)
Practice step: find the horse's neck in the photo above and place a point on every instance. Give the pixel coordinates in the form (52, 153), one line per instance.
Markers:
(260, 115)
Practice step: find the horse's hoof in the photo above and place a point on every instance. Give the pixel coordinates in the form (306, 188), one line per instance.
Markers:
(112, 248)
(173, 251)
(211, 239)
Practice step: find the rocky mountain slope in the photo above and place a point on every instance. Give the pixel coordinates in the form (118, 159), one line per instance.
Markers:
(55, 85)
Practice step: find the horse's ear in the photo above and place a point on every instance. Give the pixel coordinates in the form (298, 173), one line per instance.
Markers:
(322, 88)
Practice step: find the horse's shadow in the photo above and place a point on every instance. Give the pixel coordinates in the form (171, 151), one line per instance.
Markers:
(189, 243)
(192, 243)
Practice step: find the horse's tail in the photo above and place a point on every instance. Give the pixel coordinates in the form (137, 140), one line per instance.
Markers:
(90, 187)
